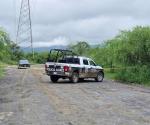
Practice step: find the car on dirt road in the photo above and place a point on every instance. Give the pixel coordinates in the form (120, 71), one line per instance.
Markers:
(23, 64)
(65, 64)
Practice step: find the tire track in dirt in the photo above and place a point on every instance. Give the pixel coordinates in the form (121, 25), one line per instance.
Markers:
(72, 112)
(58, 101)
(22, 93)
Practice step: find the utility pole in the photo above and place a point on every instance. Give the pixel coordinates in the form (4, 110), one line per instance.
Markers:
(24, 31)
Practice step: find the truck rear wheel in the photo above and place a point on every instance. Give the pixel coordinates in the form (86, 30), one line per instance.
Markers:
(54, 79)
(75, 77)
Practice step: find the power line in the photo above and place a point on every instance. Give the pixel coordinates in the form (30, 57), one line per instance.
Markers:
(24, 31)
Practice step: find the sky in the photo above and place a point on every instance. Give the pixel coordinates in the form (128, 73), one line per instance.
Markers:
(63, 22)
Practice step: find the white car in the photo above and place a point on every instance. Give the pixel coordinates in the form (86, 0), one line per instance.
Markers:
(23, 64)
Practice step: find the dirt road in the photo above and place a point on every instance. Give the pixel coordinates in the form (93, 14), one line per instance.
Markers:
(27, 97)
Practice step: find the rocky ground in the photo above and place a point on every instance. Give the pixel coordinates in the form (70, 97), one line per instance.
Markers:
(27, 97)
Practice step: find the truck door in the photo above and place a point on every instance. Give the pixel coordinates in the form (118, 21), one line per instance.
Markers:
(86, 68)
(93, 70)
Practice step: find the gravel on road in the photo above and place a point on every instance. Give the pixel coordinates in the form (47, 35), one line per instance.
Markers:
(28, 97)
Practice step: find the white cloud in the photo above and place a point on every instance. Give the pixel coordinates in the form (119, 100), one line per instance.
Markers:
(59, 41)
(57, 22)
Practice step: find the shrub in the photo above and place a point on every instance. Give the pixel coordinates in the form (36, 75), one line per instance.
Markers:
(136, 74)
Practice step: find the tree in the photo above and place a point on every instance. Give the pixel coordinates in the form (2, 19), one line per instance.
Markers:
(16, 52)
(9, 51)
(4, 45)
(81, 48)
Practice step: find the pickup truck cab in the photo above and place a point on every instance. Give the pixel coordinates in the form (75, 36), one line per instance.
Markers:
(73, 67)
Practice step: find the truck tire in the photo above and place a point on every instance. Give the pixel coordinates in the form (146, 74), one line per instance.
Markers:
(100, 77)
(75, 77)
(54, 79)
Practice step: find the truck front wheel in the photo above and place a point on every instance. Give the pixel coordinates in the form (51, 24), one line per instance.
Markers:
(100, 77)
(54, 79)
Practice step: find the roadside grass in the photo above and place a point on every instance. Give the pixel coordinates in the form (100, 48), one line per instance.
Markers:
(2, 71)
(139, 77)
(111, 75)
(3, 65)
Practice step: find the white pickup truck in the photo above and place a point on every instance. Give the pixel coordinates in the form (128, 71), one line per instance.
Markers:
(71, 66)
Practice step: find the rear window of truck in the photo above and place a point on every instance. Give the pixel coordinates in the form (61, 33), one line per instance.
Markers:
(72, 60)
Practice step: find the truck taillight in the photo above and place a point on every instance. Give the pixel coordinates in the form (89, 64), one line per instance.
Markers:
(66, 68)
(46, 66)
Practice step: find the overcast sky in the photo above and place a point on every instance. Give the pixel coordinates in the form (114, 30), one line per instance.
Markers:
(61, 22)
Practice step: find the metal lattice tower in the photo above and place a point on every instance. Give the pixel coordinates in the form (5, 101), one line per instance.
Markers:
(24, 32)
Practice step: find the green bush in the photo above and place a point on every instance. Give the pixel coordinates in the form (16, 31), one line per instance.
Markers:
(1, 69)
(137, 74)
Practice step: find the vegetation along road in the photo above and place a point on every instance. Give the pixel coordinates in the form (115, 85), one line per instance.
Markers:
(29, 98)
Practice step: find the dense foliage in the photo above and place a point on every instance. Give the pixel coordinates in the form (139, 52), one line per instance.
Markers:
(128, 55)
(81, 48)
(39, 57)
(9, 51)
